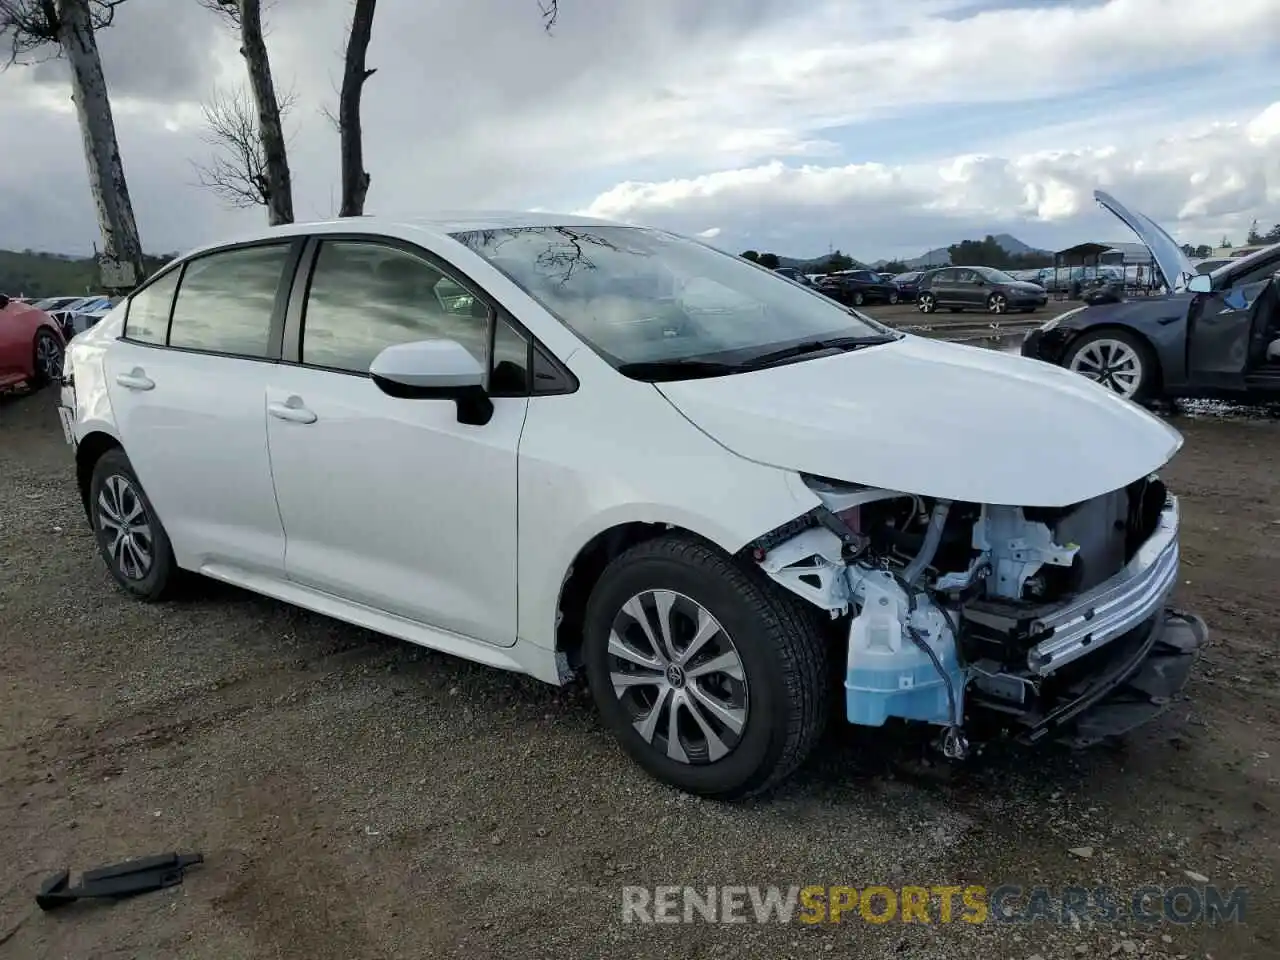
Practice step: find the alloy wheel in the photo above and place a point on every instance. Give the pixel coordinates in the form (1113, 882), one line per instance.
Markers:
(676, 670)
(998, 303)
(858, 298)
(927, 303)
(125, 527)
(1111, 363)
(48, 356)
(893, 297)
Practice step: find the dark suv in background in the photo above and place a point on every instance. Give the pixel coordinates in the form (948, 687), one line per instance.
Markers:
(977, 288)
(856, 287)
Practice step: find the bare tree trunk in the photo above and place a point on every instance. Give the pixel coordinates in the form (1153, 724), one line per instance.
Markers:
(102, 152)
(253, 47)
(355, 179)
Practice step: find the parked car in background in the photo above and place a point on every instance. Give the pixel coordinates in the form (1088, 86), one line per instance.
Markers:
(52, 304)
(978, 288)
(856, 287)
(31, 345)
(908, 285)
(74, 317)
(537, 481)
(1215, 335)
(791, 273)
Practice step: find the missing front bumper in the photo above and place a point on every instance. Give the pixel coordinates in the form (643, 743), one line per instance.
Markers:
(1136, 685)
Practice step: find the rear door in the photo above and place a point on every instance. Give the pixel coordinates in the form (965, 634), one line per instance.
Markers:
(187, 383)
(967, 292)
(1228, 328)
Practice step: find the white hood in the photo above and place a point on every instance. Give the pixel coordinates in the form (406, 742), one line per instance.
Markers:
(1171, 259)
(936, 419)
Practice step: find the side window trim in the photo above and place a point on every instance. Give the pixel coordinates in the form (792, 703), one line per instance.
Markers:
(300, 289)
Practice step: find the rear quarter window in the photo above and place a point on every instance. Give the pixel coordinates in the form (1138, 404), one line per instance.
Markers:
(147, 316)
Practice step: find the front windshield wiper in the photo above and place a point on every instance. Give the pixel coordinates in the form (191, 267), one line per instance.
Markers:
(680, 368)
(815, 346)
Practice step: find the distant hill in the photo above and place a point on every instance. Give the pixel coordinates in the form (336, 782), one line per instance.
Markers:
(813, 264)
(941, 256)
(32, 274)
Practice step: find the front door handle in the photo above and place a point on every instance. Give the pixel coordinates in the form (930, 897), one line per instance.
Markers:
(136, 379)
(291, 410)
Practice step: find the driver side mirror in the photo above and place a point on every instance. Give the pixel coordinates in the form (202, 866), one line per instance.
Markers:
(434, 370)
(1201, 283)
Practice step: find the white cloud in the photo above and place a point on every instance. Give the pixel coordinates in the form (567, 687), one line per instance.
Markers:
(1199, 183)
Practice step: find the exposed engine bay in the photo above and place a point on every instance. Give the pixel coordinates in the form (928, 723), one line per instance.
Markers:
(1051, 619)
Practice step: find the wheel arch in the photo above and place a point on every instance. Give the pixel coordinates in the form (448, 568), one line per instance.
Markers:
(588, 566)
(88, 452)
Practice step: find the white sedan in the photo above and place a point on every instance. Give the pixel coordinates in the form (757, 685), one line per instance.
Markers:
(558, 445)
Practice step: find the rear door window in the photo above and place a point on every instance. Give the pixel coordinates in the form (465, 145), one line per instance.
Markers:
(226, 301)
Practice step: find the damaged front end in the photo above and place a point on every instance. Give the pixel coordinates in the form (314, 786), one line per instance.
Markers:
(1052, 621)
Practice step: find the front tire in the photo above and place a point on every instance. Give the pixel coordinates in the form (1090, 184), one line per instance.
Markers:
(997, 303)
(1117, 360)
(130, 537)
(710, 678)
(893, 298)
(859, 298)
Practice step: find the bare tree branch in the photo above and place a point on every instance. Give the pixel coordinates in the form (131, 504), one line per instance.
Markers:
(550, 10)
(34, 26)
(237, 172)
(229, 10)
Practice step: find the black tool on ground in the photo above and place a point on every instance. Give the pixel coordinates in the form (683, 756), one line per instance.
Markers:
(118, 880)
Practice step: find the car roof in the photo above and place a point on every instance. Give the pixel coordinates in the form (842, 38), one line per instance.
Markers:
(440, 225)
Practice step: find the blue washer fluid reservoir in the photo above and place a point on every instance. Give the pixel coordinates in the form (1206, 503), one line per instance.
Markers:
(888, 675)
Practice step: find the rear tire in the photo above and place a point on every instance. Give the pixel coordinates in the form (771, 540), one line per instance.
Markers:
(130, 536)
(763, 722)
(46, 360)
(858, 298)
(926, 302)
(893, 299)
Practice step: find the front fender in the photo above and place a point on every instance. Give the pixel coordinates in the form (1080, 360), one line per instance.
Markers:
(585, 470)
(1162, 321)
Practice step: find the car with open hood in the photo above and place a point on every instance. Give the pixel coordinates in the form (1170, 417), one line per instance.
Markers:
(562, 446)
(1214, 335)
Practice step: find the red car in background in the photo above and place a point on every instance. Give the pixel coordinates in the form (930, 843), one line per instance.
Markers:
(31, 345)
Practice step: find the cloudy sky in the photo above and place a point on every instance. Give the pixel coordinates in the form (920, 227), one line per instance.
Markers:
(881, 127)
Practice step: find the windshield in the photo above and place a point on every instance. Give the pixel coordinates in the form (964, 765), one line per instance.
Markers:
(641, 296)
(994, 275)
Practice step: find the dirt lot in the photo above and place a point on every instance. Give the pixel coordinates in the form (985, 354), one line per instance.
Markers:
(357, 797)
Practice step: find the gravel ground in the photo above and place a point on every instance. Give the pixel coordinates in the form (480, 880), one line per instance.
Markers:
(357, 797)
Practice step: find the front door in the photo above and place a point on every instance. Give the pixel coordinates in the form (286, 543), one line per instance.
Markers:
(392, 503)
(1225, 330)
(188, 395)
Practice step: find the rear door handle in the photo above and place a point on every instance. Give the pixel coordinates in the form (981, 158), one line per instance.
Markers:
(291, 410)
(136, 380)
